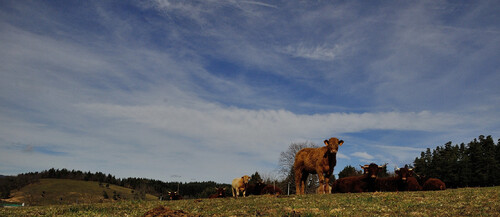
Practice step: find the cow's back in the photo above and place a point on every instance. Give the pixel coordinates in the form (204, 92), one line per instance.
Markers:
(434, 184)
(236, 183)
(307, 159)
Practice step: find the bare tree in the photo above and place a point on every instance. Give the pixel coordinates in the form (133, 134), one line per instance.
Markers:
(286, 160)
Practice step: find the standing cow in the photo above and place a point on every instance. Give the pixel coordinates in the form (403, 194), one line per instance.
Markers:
(319, 161)
(240, 184)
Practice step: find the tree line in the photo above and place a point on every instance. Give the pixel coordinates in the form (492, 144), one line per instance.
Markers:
(466, 165)
(476, 164)
(140, 185)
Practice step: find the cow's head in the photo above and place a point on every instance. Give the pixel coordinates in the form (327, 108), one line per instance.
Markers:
(245, 179)
(404, 173)
(372, 169)
(333, 145)
(173, 195)
(220, 191)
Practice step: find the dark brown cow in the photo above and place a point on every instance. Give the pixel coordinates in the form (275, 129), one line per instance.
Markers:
(431, 184)
(174, 196)
(434, 184)
(256, 188)
(403, 181)
(407, 182)
(271, 189)
(356, 184)
(319, 161)
(221, 193)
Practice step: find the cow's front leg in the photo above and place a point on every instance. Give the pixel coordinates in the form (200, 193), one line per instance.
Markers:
(327, 185)
(321, 182)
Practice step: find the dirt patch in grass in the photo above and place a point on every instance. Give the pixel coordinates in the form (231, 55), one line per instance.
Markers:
(165, 211)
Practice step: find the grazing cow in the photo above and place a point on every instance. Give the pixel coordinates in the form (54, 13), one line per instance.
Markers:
(356, 184)
(221, 193)
(174, 195)
(319, 161)
(271, 189)
(240, 184)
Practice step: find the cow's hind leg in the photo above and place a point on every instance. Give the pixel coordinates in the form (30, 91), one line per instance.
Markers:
(303, 182)
(298, 178)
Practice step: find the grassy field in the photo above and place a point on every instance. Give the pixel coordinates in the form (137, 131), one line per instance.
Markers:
(66, 191)
(452, 202)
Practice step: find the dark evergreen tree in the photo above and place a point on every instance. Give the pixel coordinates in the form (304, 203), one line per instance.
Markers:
(349, 171)
(474, 164)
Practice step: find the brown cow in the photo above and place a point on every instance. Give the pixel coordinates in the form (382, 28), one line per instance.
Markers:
(271, 189)
(434, 184)
(221, 193)
(240, 184)
(256, 188)
(319, 161)
(174, 195)
(356, 184)
(431, 184)
(403, 181)
(407, 182)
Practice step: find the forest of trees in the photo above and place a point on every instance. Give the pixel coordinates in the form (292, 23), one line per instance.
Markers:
(142, 185)
(475, 164)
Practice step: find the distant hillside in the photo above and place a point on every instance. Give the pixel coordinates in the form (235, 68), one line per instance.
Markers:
(66, 191)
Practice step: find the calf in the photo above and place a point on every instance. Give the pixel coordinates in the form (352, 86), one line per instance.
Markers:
(356, 184)
(319, 161)
(240, 184)
(174, 195)
(221, 193)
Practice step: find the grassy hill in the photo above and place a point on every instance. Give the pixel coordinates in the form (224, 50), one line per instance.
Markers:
(452, 202)
(66, 191)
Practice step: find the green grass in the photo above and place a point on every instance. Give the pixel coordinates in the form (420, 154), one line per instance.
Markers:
(452, 202)
(66, 191)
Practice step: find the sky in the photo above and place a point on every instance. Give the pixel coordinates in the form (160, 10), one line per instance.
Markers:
(213, 90)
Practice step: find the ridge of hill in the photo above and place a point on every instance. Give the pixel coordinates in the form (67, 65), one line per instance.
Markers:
(67, 191)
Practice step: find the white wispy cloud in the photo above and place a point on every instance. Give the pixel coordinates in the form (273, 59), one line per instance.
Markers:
(321, 52)
(362, 155)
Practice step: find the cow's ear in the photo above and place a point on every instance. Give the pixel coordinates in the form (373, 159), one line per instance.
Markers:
(326, 142)
(341, 142)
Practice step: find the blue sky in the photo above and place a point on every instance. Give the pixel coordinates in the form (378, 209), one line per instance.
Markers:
(212, 90)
